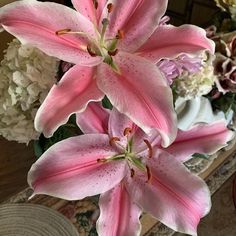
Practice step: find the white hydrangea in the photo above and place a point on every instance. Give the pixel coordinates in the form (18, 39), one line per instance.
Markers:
(26, 76)
(190, 86)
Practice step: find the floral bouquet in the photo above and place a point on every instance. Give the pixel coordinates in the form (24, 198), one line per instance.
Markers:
(120, 59)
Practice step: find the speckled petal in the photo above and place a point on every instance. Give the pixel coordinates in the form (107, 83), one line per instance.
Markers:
(141, 93)
(36, 23)
(72, 94)
(70, 170)
(173, 195)
(94, 119)
(119, 215)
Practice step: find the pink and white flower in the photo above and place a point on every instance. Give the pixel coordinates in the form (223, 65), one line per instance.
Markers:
(115, 46)
(130, 170)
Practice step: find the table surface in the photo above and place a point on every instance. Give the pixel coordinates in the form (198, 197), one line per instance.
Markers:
(15, 161)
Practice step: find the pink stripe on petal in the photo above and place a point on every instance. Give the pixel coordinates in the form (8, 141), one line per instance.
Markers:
(36, 23)
(136, 18)
(87, 8)
(70, 169)
(94, 119)
(203, 138)
(173, 195)
(119, 216)
(140, 93)
(75, 90)
(169, 41)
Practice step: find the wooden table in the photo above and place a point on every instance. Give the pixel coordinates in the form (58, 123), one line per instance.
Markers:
(15, 161)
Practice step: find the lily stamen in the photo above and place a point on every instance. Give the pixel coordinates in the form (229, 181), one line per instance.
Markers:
(113, 139)
(102, 160)
(69, 31)
(110, 7)
(62, 31)
(150, 150)
(120, 34)
(91, 52)
(149, 174)
(127, 131)
(113, 53)
(132, 173)
(95, 3)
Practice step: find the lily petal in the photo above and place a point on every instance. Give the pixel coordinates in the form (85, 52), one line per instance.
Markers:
(173, 195)
(139, 144)
(136, 18)
(119, 216)
(70, 170)
(87, 8)
(118, 122)
(169, 41)
(140, 93)
(203, 138)
(75, 90)
(36, 23)
(94, 119)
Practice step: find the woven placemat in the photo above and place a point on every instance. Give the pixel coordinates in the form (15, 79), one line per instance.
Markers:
(33, 220)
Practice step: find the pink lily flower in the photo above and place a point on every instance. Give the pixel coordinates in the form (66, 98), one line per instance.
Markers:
(115, 45)
(131, 172)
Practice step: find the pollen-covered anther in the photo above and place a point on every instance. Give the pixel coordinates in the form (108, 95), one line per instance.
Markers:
(113, 53)
(149, 174)
(150, 151)
(132, 173)
(113, 140)
(102, 160)
(62, 31)
(127, 131)
(109, 7)
(120, 34)
(91, 52)
(95, 3)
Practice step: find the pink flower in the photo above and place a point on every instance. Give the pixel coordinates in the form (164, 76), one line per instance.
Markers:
(115, 46)
(130, 170)
(176, 67)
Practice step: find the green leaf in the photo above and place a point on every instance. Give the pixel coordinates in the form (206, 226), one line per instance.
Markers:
(68, 130)
(200, 155)
(38, 150)
(106, 103)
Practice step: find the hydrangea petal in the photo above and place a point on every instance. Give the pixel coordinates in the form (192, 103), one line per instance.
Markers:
(202, 138)
(136, 18)
(94, 119)
(169, 41)
(70, 170)
(70, 95)
(173, 195)
(32, 23)
(119, 216)
(141, 93)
